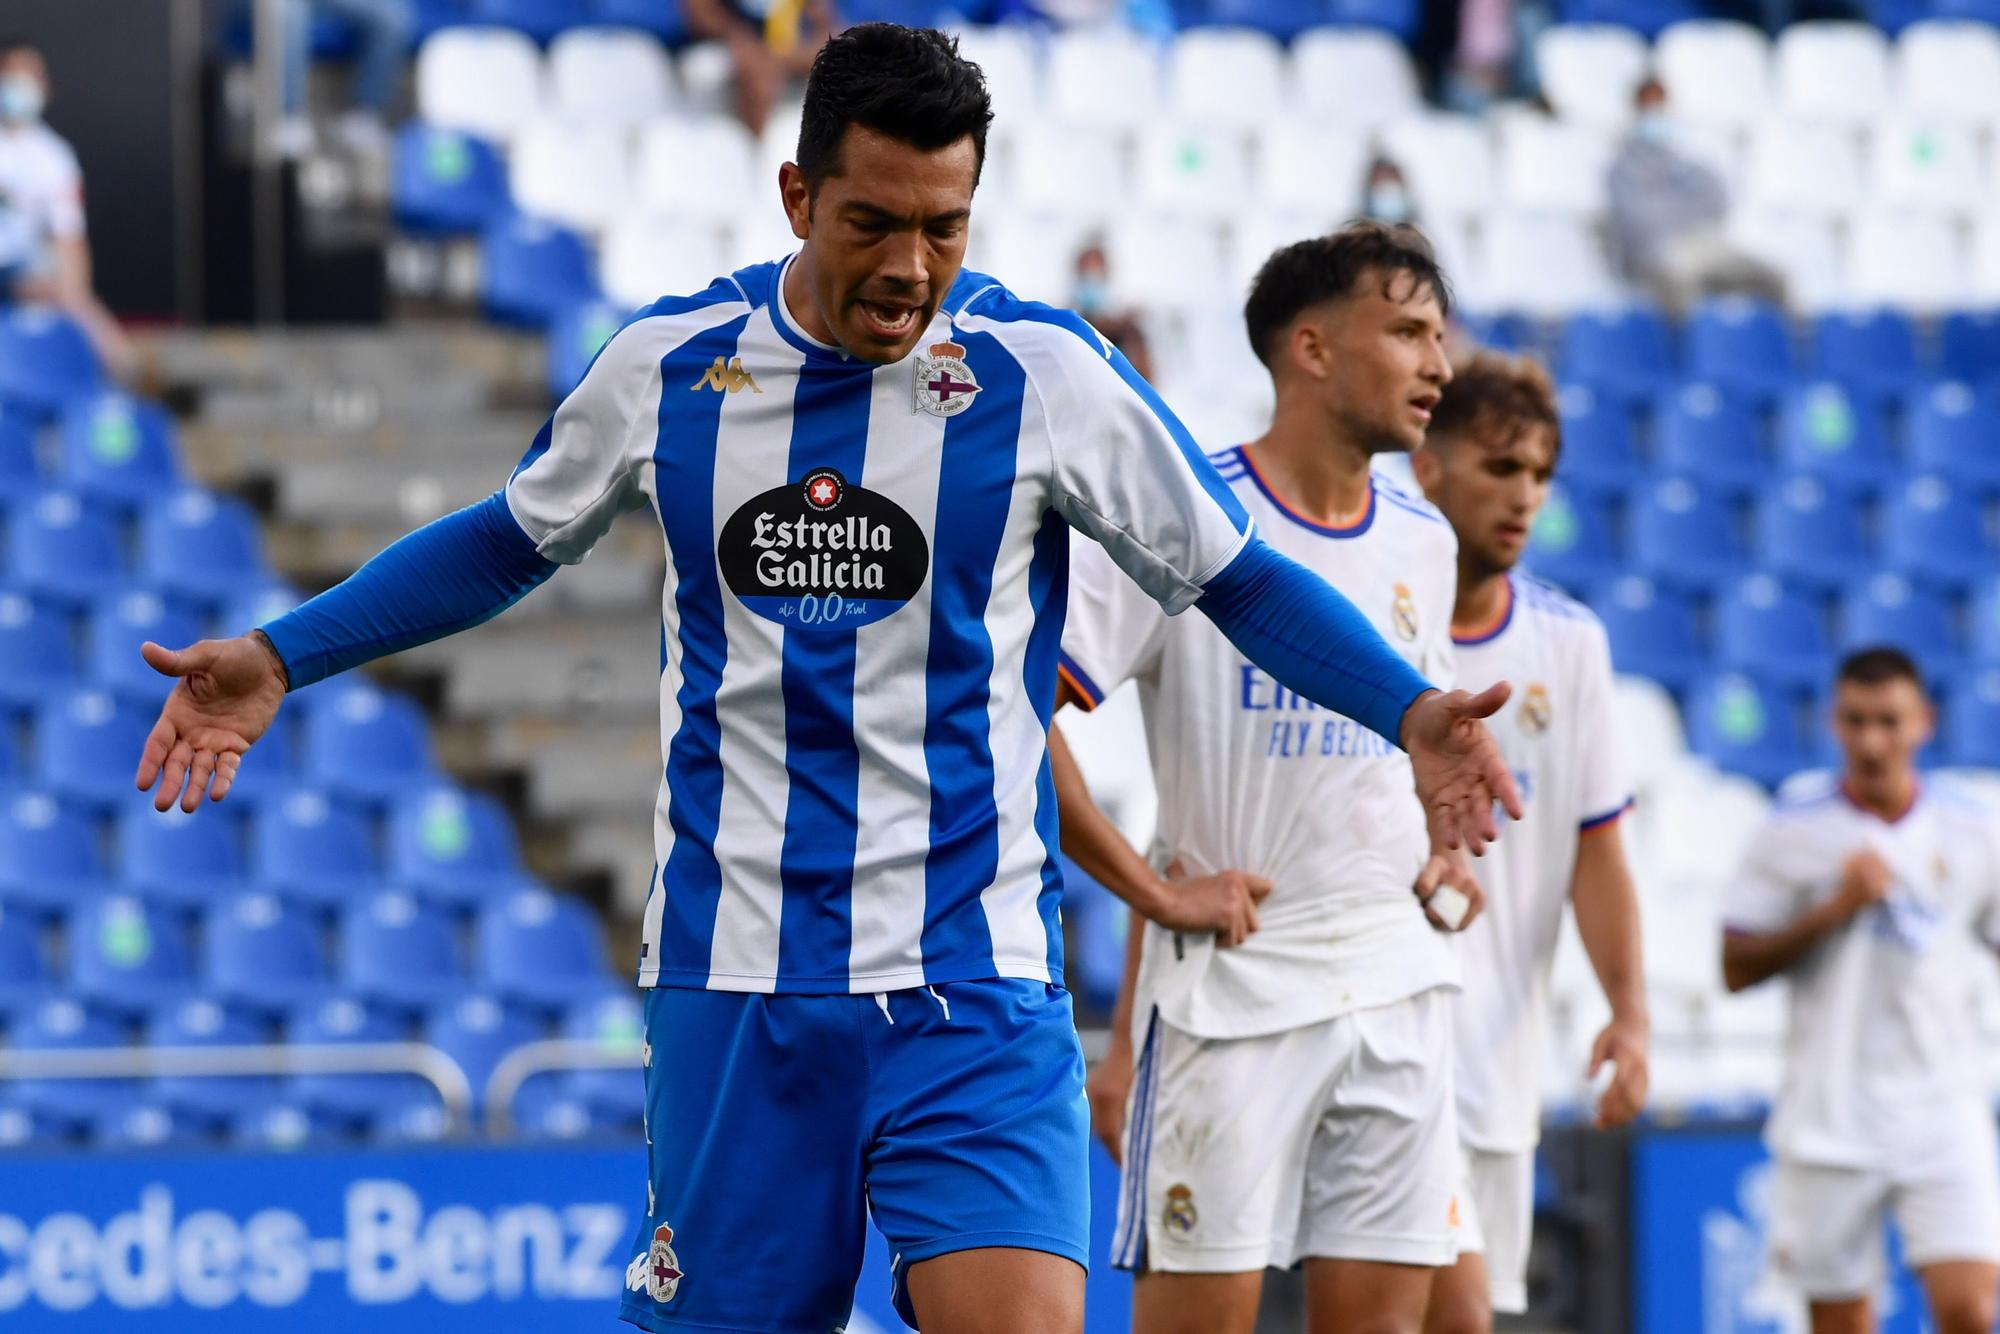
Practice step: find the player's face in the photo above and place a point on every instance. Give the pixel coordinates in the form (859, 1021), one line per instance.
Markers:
(1382, 365)
(1880, 727)
(884, 239)
(1490, 491)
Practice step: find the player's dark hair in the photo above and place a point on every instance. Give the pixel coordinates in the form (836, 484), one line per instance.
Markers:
(1878, 664)
(1312, 272)
(907, 83)
(1493, 399)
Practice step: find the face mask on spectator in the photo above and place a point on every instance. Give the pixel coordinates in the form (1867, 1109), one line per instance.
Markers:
(1388, 202)
(1653, 127)
(20, 100)
(1093, 294)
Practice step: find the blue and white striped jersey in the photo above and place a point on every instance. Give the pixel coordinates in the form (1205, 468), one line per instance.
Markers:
(866, 579)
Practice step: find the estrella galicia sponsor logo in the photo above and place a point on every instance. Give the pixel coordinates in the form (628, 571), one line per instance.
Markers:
(824, 553)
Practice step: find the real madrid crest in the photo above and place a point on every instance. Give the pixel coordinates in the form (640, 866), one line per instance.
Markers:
(1536, 710)
(1179, 1215)
(1403, 614)
(663, 1267)
(945, 385)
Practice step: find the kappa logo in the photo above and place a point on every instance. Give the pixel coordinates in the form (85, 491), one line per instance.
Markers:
(1537, 711)
(1403, 613)
(727, 376)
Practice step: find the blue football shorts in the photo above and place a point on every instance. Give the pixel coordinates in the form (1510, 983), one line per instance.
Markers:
(778, 1125)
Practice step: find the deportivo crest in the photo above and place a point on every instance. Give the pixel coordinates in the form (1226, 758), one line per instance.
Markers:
(1403, 613)
(945, 385)
(823, 552)
(663, 1267)
(1536, 710)
(1179, 1215)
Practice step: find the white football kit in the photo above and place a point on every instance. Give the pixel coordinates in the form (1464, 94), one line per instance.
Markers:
(1292, 1095)
(1559, 738)
(1881, 1108)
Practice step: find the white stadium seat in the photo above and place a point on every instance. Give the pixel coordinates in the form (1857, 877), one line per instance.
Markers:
(610, 77)
(1554, 165)
(707, 76)
(477, 80)
(1257, 233)
(1064, 169)
(777, 144)
(1448, 162)
(570, 174)
(1035, 255)
(760, 233)
(1226, 76)
(1836, 72)
(1300, 167)
(1985, 289)
(1013, 68)
(1804, 247)
(1714, 70)
(1806, 167)
(1590, 71)
(1543, 264)
(1928, 164)
(1192, 167)
(1650, 738)
(1912, 260)
(1950, 68)
(648, 257)
(1352, 76)
(703, 167)
(1166, 262)
(1103, 76)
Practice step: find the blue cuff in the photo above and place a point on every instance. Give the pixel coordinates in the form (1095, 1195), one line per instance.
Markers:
(1314, 642)
(447, 576)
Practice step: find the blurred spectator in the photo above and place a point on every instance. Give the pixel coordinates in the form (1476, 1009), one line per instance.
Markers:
(1125, 333)
(1668, 217)
(768, 54)
(1385, 195)
(1090, 294)
(382, 29)
(44, 254)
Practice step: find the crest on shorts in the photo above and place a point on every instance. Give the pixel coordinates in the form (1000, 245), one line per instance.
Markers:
(1536, 710)
(945, 385)
(663, 1267)
(1179, 1215)
(1403, 614)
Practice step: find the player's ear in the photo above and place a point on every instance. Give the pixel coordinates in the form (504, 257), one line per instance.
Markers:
(1310, 352)
(796, 193)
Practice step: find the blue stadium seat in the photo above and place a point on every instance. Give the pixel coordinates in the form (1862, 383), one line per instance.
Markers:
(662, 18)
(45, 360)
(1979, 11)
(1982, 625)
(538, 19)
(1778, 632)
(312, 848)
(128, 957)
(65, 1025)
(115, 630)
(575, 335)
(533, 270)
(25, 976)
(1646, 17)
(1972, 720)
(253, 605)
(1683, 533)
(271, 768)
(88, 743)
(444, 183)
(540, 949)
(117, 449)
(1746, 726)
(286, 1125)
(1282, 19)
(400, 951)
(416, 1116)
(20, 470)
(1825, 430)
(202, 1022)
(1628, 352)
(1741, 344)
(452, 845)
(430, 15)
(1652, 630)
(1935, 533)
(147, 1125)
(1874, 351)
(201, 545)
(615, 1021)
(1969, 344)
(1811, 534)
(1954, 429)
(1889, 609)
(1598, 448)
(49, 855)
(478, 1032)
(367, 744)
(1571, 541)
(1505, 332)
(26, 1128)
(37, 652)
(346, 1020)
(62, 549)
(264, 954)
(547, 1110)
(1700, 431)
(1396, 17)
(174, 858)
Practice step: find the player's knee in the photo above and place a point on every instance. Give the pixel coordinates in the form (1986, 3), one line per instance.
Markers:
(1451, 1314)
(1969, 1312)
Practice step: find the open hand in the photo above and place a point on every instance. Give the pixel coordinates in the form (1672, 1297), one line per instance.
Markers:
(1458, 768)
(228, 692)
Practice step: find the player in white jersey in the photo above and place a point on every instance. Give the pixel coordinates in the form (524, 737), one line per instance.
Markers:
(1292, 1095)
(1486, 463)
(1874, 893)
